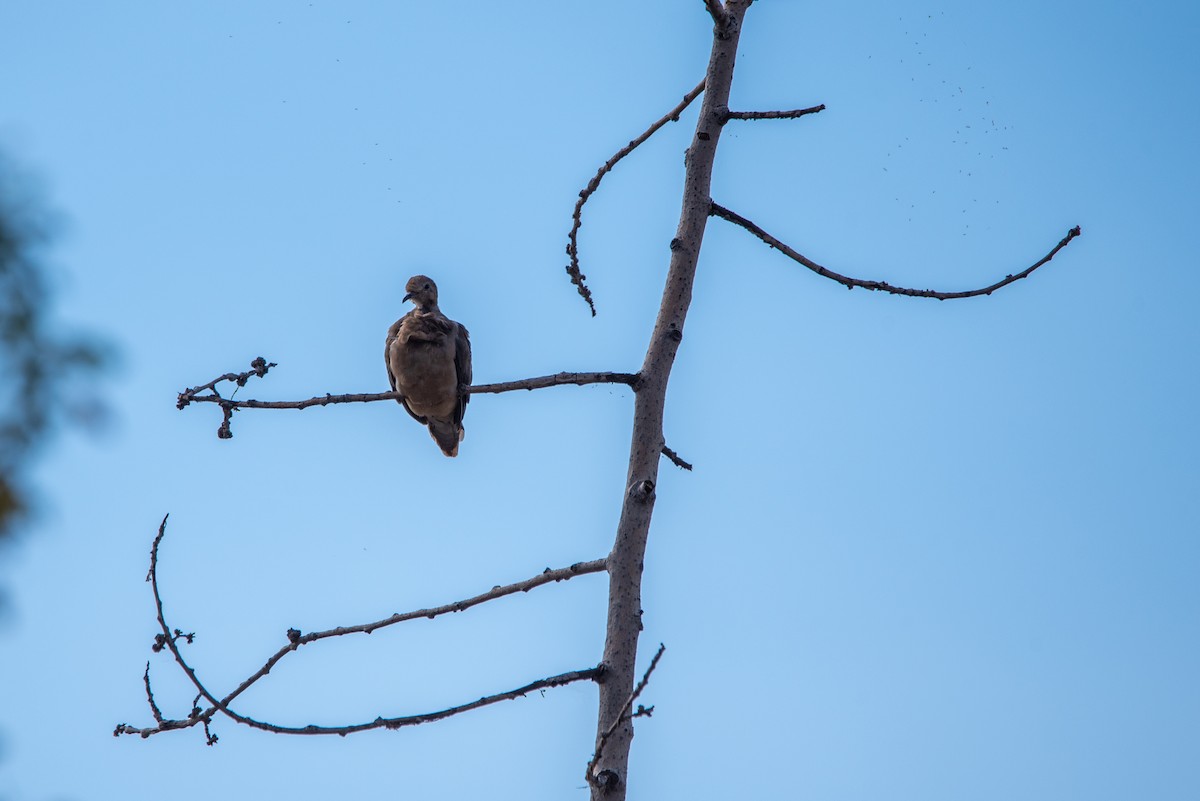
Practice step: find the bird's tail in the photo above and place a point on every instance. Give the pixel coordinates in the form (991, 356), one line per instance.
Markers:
(447, 435)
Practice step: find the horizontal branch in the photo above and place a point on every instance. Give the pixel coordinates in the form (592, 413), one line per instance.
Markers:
(882, 286)
(577, 277)
(773, 115)
(558, 379)
(297, 639)
(540, 382)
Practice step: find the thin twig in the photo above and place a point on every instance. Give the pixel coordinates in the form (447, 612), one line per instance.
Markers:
(154, 710)
(674, 457)
(296, 639)
(577, 277)
(258, 367)
(773, 115)
(882, 286)
(628, 714)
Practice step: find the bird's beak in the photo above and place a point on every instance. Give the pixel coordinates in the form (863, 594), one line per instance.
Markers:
(407, 297)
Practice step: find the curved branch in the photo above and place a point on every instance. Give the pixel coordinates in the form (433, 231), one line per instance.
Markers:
(296, 639)
(587, 674)
(883, 286)
(578, 278)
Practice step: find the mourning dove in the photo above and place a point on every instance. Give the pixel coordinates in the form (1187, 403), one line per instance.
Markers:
(428, 358)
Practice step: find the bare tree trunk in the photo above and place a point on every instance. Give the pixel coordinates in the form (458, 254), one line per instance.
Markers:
(609, 774)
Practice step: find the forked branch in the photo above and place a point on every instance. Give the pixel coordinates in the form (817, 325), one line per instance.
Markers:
(597, 779)
(716, 11)
(296, 639)
(883, 286)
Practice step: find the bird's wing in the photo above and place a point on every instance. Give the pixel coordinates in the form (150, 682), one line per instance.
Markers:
(462, 365)
(392, 334)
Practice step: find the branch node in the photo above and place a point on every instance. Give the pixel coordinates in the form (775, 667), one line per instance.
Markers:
(642, 491)
(606, 781)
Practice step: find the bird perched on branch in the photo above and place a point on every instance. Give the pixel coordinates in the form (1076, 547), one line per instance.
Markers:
(428, 359)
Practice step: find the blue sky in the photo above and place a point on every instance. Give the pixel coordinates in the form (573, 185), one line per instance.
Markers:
(930, 550)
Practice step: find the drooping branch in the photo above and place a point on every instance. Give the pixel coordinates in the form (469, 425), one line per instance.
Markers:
(883, 286)
(168, 639)
(774, 115)
(577, 277)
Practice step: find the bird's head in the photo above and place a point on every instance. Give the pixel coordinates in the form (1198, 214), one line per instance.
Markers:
(421, 291)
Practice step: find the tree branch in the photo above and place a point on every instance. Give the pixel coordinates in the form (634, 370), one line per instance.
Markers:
(205, 717)
(258, 367)
(540, 382)
(598, 780)
(296, 639)
(577, 277)
(773, 115)
(675, 459)
(716, 11)
(229, 405)
(558, 379)
(882, 286)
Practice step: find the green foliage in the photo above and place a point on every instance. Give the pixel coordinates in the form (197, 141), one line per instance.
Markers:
(43, 369)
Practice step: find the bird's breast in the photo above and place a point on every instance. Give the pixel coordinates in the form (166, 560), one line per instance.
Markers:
(426, 375)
